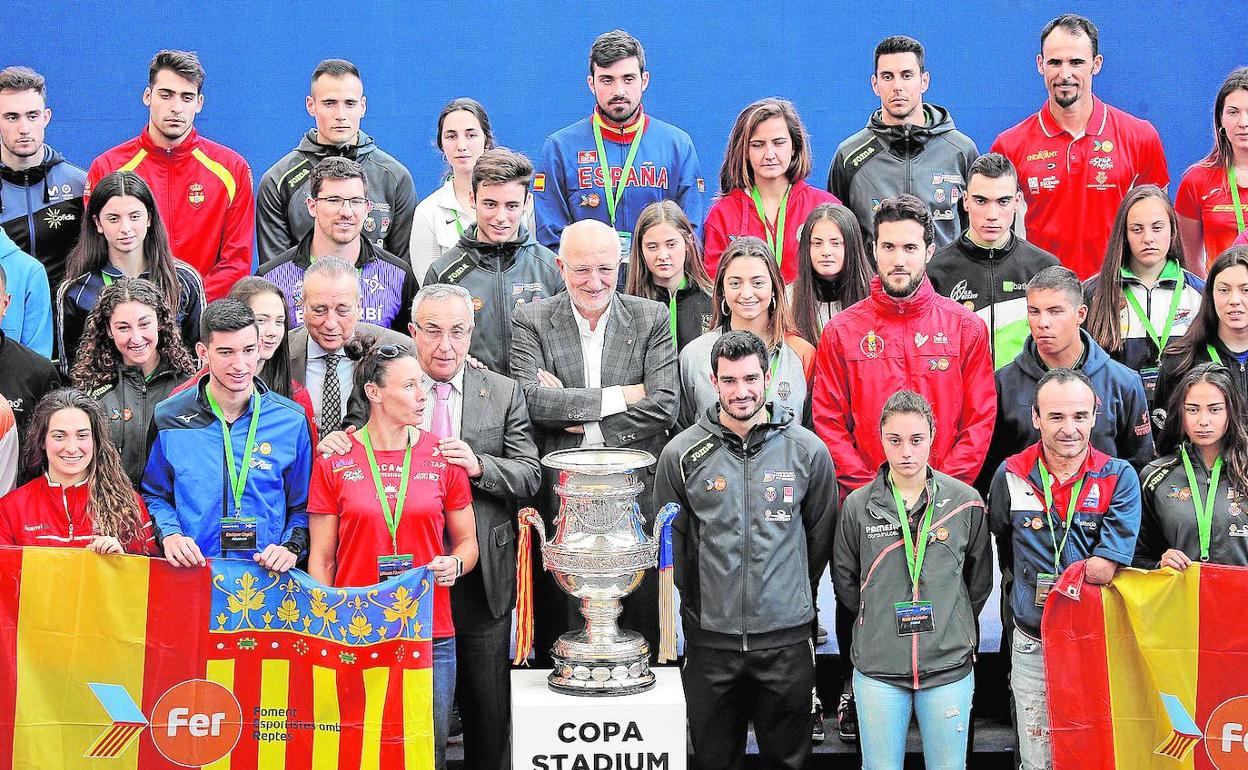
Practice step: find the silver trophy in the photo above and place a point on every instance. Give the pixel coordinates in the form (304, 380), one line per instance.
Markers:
(599, 554)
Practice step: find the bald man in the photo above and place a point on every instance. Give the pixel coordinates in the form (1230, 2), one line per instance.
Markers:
(598, 369)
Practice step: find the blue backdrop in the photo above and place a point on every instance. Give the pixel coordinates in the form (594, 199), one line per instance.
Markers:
(526, 62)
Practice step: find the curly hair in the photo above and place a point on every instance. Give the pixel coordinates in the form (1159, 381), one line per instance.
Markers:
(98, 358)
(111, 503)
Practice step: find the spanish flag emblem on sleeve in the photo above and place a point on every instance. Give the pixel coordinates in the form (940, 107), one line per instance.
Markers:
(231, 667)
(539, 183)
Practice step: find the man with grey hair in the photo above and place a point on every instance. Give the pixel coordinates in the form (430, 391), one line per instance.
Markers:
(331, 306)
(598, 369)
(465, 407)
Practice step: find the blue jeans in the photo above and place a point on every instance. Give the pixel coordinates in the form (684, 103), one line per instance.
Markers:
(1031, 702)
(443, 695)
(884, 709)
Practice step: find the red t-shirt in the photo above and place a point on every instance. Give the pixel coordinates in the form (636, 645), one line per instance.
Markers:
(342, 486)
(1073, 187)
(1205, 195)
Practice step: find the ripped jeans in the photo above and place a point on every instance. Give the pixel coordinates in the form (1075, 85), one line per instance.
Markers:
(944, 714)
(1031, 702)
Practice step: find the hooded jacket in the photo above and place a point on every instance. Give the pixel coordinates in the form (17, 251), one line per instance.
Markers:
(41, 209)
(993, 284)
(203, 193)
(928, 161)
(925, 343)
(1122, 428)
(129, 404)
(870, 575)
(29, 317)
(282, 217)
(501, 277)
(754, 530)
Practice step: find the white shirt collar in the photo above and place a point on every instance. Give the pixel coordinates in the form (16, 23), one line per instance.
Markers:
(582, 324)
(457, 382)
(316, 351)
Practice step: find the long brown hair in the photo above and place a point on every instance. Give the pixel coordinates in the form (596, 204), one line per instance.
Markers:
(853, 282)
(1223, 155)
(111, 500)
(1104, 313)
(779, 323)
(1204, 328)
(276, 371)
(1234, 449)
(98, 358)
(90, 255)
(736, 173)
(640, 278)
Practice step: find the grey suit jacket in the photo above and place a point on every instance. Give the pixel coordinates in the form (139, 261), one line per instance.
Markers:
(638, 349)
(357, 406)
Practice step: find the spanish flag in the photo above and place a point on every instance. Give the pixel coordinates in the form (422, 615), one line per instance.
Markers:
(127, 662)
(1150, 671)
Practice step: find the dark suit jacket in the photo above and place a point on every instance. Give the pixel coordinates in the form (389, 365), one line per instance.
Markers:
(637, 349)
(357, 405)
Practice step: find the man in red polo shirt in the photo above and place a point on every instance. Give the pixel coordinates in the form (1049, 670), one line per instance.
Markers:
(203, 189)
(1077, 156)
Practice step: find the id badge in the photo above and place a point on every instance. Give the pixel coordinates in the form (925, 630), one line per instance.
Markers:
(914, 618)
(1044, 584)
(393, 566)
(1149, 375)
(238, 533)
(626, 244)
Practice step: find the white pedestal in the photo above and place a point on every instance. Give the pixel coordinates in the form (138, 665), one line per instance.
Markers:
(552, 731)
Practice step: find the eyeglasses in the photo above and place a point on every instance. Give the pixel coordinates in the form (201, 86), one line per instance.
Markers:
(336, 203)
(432, 334)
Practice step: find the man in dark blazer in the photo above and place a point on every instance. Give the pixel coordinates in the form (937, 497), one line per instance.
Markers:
(598, 369)
(491, 438)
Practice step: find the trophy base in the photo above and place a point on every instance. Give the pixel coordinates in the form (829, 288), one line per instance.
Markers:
(619, 668)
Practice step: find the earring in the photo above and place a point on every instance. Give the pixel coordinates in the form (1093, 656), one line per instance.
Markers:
(724, 306)
(771, 306)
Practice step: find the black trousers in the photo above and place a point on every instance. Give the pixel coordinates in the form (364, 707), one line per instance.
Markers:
(483, 682)
(725, 690)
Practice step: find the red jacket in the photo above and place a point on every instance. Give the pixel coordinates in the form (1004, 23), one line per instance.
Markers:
(735, 215)
(926, 343)
(41, 513)
(203, 192)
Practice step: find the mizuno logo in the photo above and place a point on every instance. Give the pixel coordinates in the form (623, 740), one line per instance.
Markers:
(186, 417)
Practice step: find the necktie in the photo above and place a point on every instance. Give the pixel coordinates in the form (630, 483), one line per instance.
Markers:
(331, 401)
(442, 410)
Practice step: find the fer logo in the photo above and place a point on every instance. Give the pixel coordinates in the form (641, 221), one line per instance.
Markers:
(195, 723)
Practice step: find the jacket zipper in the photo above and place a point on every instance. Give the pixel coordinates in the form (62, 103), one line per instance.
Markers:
(992, 310)
(30, 215)
(745, 561)
(498, 310)
(909, 157)
(68, 516)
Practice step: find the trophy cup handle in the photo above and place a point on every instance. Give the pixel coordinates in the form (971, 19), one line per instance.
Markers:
(528, 518)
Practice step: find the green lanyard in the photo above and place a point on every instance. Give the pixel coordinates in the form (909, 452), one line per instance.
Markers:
(1048, 514)
(108, 279)
(392, 518)
(776, 243)
(459, 229)
(238, 476)
(1239, 209)
(1204, 509)
(1159, 340)
(614, 198)
(671, 310)
(914, 552)
(775, 364)
(1214, 355)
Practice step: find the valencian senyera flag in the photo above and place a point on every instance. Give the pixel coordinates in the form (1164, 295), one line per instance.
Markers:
(129, 663)
(1150, 671)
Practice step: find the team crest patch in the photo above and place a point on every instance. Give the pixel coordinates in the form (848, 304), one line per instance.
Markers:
(872, 345)
(938, 364)
(539, 183)
(370, 224)
(264, 448)
(706, 322)
(701, 185)
(1177, 493)
(717, 484)
(587, 156)
(784, 390)
(195, 194)
(1092, 498)
(127, 414)
(591, 200)
(477, 304)
(770, 494)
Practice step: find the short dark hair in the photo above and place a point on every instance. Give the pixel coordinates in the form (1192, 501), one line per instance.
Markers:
(1074, 24)
(500, 166)
(1060, 375)
(899, 44)
(335, 167)
(224, 315)
(182, 63)
(992, 165)
(336, 68)
(908, 402)
(736, 345)
(23, 79)
(1058, 278)
(613, 46)
(905, 208)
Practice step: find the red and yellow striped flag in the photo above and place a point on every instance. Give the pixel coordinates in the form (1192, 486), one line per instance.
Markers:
(135, 663)
(1149, 671)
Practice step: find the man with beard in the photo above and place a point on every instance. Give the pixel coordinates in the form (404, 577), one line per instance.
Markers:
(1059, 490)
(1077, 157)
(337, 103)
(619, 160)
(747, 653)
(904, 336)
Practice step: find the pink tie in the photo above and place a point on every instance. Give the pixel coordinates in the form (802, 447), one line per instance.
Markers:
(442, 410)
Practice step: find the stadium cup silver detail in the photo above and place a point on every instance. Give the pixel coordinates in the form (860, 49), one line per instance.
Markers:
(599, 554)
